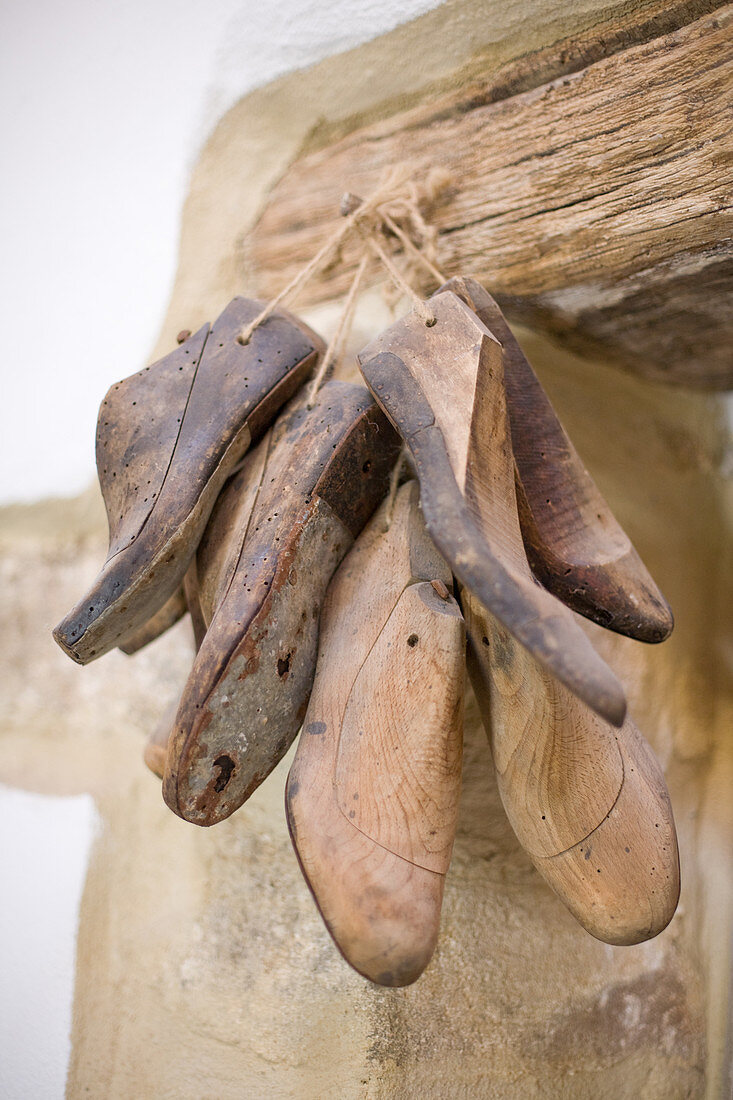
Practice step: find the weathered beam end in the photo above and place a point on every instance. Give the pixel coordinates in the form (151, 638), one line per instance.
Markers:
(596, 204)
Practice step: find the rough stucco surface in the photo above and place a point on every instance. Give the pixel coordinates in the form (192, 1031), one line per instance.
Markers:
(203, 970)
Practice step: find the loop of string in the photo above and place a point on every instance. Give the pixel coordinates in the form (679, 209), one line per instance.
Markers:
(422, 308)
(353, 215)
(413, 249)
(396, 197)
(341, 335)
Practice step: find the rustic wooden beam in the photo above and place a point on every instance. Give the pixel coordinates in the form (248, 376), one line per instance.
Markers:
(595, 204)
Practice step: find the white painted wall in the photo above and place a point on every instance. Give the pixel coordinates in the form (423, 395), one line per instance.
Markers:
(43, 860)
(105, 106)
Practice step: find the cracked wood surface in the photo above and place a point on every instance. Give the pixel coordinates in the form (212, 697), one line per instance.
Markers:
(589, 192)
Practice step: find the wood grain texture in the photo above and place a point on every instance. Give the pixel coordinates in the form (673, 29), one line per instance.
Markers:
(167, 439)
(372, 796)
(590, 192)
(399, 787)
(574, 544)
(587, 802)
(279, 530)
(443, 388)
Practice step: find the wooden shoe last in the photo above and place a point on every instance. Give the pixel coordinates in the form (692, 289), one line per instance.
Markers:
(167, 440)
(442, 386)
(156, 747)
(372, 796)
(588, 802)
(279, 531)
(574, 544)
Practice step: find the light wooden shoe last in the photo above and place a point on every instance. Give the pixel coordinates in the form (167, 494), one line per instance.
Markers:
(168, 437)
(156, 747)
(278, 532)
(442, 386)
(372, 796)
(588, 802)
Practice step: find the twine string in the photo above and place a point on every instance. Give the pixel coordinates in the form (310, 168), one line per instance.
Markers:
(296, 284)
(396, 196)
(338, 340)
(353, 217)
(422, 308)
(412, 248)
(394, 484)
(396, 191)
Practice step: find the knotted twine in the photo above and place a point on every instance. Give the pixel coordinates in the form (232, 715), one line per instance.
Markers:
(396, 197)
(372, 219)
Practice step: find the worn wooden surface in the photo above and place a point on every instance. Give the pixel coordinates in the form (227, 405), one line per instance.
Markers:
(168, 438)
(574, 543)
(262, 570)
(372, 796)
(590, 191)
(588, 803)
(172, 610)
(443, 388)
(568, 779)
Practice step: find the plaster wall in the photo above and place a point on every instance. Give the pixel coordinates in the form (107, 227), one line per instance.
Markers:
(203, 969)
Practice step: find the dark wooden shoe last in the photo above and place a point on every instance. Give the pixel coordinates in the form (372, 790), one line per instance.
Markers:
(372, 796)
(168, 437)
(278, 532)
(574, 544)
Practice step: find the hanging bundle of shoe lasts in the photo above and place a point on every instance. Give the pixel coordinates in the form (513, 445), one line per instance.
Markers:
(344, 551)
